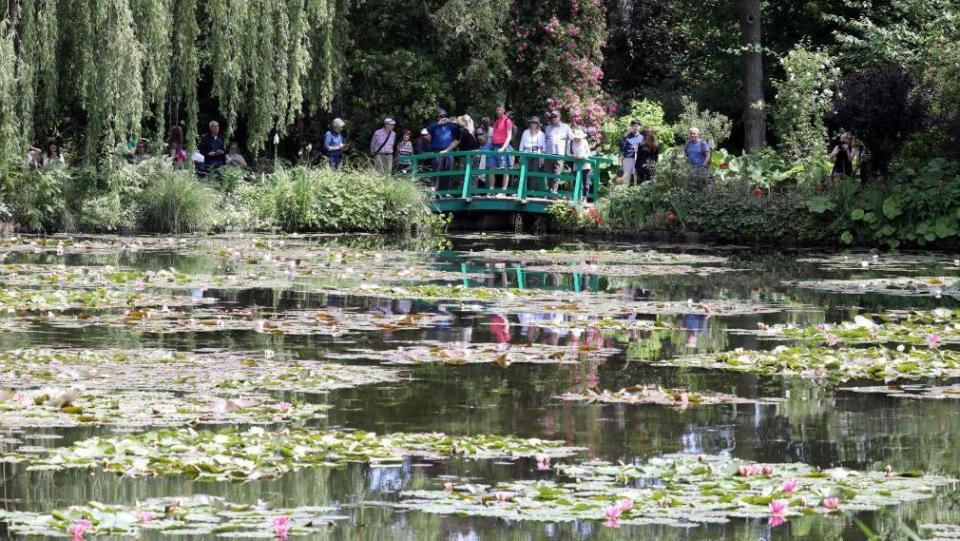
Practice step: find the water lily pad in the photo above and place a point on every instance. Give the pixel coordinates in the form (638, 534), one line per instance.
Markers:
(661, 396)
(68, 407)
(834, 365)
(233, 455)
(678, 490)
(887, 262)
(196, 514)
(170, 371)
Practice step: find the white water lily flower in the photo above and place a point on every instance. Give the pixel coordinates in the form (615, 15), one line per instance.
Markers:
(221, 439)
(268, 354)
(900, 348)
(864, 322)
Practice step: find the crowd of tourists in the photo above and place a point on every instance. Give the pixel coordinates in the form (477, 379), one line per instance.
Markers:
(392, 151)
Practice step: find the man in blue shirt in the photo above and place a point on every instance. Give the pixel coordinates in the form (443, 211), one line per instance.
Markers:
(628, 149)
(698, 153)
(444, 137)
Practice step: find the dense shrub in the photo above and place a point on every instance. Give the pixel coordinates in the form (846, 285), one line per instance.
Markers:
(919, 205)
(629, 208)
(302, 199)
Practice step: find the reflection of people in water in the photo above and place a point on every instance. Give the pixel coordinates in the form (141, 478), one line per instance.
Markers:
(695, 325)
(500, 329)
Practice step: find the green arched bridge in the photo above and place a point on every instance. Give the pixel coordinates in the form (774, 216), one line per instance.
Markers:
(469, 186)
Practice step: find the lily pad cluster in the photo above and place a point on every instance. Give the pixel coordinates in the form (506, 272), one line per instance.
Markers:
(234, 455)
(916, 327)
(328, 321)
(908, 390)
(835, 365)
(660, 396)
(628, 257)
(681, 491)
(23, 300)
(888, 262)
(502, 355)
(189, 515)
(900, 286)
(68, 407)
(171, 371)
(601, 269)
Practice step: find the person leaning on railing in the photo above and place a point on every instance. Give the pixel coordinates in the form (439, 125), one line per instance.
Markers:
(559, 137)
(580, 149)
(500, 139)
(444, 138)
(533, 141)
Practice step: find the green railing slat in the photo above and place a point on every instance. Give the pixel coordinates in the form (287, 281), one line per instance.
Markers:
(467, 181)
(522, 183)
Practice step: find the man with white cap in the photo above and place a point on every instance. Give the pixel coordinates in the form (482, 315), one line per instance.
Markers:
(559, 137)
(381, 145)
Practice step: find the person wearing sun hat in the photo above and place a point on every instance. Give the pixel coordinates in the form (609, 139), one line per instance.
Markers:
(381, 146)
(558, 137)
(533, 141)
(580, 148)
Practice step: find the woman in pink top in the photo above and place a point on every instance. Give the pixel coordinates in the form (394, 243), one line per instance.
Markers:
(500, 140)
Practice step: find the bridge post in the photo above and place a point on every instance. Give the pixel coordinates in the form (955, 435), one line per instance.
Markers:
(522, 183)
(578, 185)
(467, 180)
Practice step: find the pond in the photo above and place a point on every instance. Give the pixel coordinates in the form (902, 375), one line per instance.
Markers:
(586, 389)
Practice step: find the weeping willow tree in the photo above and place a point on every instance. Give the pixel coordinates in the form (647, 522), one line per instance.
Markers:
(104, 72)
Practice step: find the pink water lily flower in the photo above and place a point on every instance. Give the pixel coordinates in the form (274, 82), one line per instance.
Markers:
(933, 341)
(502, 497)
(831, 339)
(625, 505)
(613, 515)
(790, 486)
(448, 487)
(79, 528)
(281, 526)
(543, 462)
(284, 406)
(767, 470)
(777, 520)
(778, 508)
(831, 503)
(144, 517)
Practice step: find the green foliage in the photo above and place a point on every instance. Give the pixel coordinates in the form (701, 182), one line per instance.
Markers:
(627, 208)
(649, 113)
(302, 199)
(803, 98)
(919, 206)
(37, 198)
(714, 127)
(768, 169)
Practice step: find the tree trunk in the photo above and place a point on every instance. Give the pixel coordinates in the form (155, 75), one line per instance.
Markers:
(754, 116)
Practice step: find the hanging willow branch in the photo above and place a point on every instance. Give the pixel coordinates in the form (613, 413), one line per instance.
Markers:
(108, 69)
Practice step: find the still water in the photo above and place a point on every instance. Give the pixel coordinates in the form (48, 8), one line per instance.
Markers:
(815, 425)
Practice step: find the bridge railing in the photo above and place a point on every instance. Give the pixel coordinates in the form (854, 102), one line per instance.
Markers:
(531, 175)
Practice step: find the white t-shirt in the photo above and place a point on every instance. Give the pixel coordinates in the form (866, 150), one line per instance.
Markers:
(533, 143)
(558, 138)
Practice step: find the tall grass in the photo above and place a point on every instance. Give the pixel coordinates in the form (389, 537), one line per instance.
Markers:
(176, 202)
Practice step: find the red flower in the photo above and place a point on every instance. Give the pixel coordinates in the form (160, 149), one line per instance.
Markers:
(724, 165)
(598, 219)
(671, 216)
(757, 192)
